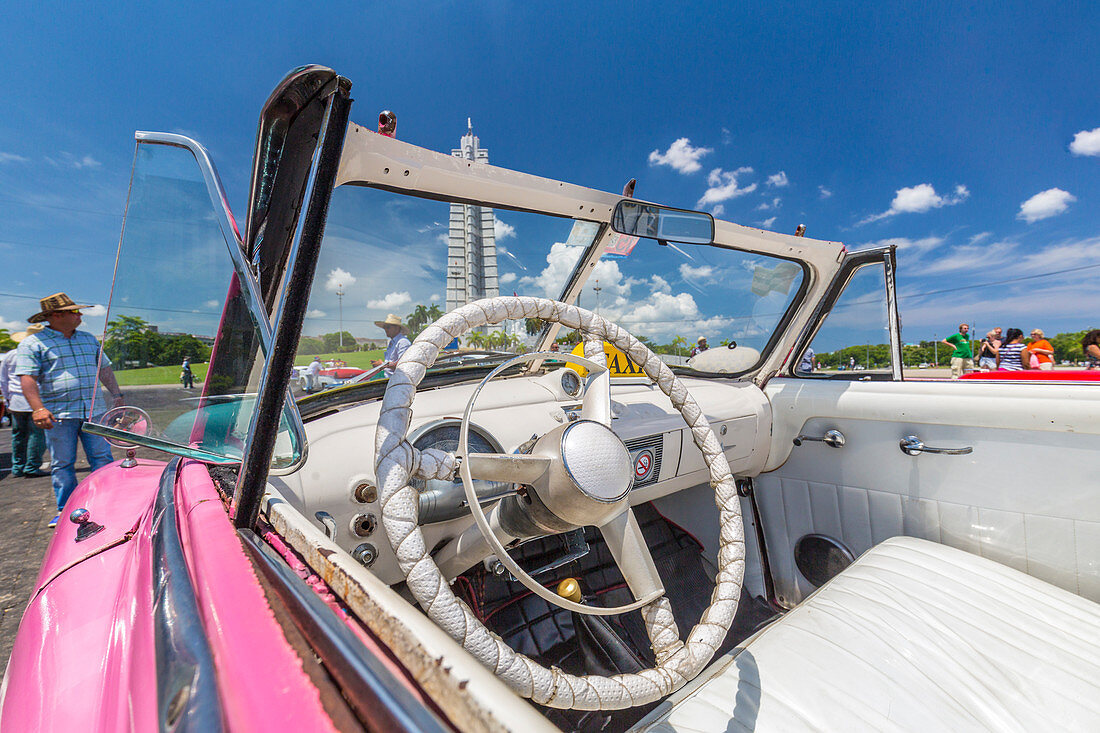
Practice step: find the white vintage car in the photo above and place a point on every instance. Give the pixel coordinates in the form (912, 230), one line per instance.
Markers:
(529, 543)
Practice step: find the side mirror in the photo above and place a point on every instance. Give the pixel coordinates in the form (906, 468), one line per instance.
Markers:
(127, 419)
(638, 219)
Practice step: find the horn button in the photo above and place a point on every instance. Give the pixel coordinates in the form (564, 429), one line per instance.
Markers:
(594, 476)
(596, 460)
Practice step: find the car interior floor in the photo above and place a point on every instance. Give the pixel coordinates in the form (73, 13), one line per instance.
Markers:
(550, 635)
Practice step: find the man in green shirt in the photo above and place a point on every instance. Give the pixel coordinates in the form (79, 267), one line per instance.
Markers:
(962, 359)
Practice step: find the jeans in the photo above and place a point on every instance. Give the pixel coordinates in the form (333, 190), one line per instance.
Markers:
(62, 439)
(27, 444)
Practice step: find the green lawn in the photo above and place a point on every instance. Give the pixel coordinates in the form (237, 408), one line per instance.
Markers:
(171, 374)
(158, 375)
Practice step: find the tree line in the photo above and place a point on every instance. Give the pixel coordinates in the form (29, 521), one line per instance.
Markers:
(132, 343)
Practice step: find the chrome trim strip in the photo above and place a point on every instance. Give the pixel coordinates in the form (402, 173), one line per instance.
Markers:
(250, 286)
(370, 688)
(148, 441)
(187, 688)
(892, 315)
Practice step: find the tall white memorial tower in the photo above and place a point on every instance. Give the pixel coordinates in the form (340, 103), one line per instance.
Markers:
(471, 249)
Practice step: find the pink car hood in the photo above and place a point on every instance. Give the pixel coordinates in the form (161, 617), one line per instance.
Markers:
(85, 658)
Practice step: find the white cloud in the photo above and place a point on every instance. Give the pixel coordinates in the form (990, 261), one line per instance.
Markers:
(664, 315)
(502, 230)
(1073, 253)
(718, 210)
(13, 326)
(1043, 205)
(68, 160)
(1003, 255)
(508, 277)
(339, 278)
(660, 285)
(391, 301)
(435, 298)
(703, 272)
(971, 258)
(1036, 301)
(560, 262)
(12, 158)
(680, 156)
(773, 205)
(825, 193)
(919, 199)
(727, 136)
(723, 186)
(1086, 142)
(316, 313)
(96, 311)
(779, 180)
(767, 223)
(980, 236)
(211, 304)
(904, 244)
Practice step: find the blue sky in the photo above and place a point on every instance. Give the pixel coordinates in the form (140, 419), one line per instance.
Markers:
(968, 135)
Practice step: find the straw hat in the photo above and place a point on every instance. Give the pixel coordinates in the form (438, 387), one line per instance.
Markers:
(20, 335)
(392, 320)
(52, 304)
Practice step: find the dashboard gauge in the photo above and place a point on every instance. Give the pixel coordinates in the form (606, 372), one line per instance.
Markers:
(570, 382)
(441, 500)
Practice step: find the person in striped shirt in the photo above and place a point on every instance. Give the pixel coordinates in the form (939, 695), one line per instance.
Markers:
(1008, 356)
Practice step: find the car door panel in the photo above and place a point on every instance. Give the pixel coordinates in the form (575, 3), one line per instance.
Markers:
(1025, 496)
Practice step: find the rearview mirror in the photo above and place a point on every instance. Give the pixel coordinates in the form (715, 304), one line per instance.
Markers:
(658, 222)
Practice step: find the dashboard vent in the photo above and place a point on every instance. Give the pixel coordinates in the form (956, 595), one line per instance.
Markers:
(639, 448)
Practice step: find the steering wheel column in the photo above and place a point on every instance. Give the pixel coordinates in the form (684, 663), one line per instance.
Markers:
(578, 474)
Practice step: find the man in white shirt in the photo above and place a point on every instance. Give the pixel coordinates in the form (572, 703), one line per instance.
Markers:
(397, 346)
(312, 372)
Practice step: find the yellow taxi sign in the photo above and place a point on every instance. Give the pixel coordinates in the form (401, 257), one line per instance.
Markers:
(618, 362)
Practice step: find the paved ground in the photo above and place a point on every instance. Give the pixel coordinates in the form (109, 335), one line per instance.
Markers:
(26, 505)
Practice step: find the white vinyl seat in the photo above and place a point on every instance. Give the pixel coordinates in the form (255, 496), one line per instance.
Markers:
(912, 636)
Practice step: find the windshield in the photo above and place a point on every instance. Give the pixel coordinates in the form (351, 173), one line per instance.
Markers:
(397, 261)
(180, 332)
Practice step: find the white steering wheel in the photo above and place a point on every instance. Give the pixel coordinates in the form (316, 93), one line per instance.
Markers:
(578, 474)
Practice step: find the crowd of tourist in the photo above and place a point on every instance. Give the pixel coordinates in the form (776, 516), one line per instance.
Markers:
(1009, 351)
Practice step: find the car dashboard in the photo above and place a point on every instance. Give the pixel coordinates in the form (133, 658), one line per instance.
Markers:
(335, 484)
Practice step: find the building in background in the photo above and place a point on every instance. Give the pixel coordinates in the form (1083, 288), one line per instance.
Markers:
(471, 249)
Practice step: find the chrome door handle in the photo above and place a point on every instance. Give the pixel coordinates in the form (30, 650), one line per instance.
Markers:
(831, 438)
(911, 445)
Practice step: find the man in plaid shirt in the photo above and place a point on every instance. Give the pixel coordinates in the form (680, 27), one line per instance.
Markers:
(58, 369)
